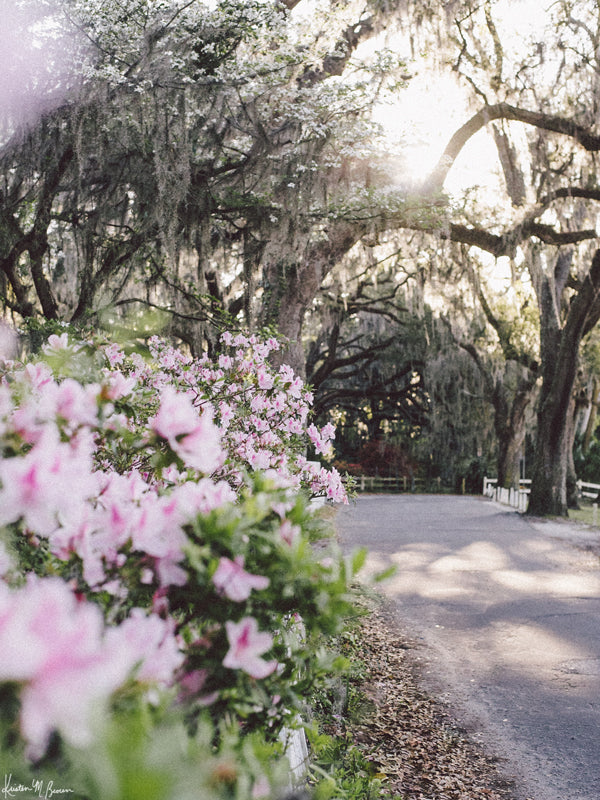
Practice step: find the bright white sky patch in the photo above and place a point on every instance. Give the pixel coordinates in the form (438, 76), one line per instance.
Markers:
(420, 122)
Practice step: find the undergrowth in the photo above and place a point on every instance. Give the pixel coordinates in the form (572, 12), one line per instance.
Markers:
(339, 769)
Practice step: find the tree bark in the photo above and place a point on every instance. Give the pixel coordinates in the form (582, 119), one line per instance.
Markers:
(549, 481)
(549, 122)
(510, 430)
(591, 423)
(291, 287)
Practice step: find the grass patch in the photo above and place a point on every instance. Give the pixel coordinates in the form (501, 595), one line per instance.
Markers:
(585, 515)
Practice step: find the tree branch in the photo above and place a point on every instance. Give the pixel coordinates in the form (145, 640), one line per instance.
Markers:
(506, 244)
(328, 366)
(549, 122)
(335, 63)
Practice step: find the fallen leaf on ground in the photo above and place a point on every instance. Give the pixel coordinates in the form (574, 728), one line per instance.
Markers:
(410, 737)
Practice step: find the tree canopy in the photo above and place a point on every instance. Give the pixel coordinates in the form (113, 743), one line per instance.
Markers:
(219, 163)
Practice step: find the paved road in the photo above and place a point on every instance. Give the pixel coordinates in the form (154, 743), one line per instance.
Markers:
(507, 611)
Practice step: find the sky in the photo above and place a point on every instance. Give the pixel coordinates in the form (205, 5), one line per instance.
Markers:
(433, 107)
(420, 124)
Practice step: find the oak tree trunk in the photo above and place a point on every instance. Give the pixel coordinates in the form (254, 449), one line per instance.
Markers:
(511, 426)
(560, 347)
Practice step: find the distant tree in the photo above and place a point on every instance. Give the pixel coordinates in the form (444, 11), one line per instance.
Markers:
(366, 342)
(198, 167)
(549, 221)
(501, 336)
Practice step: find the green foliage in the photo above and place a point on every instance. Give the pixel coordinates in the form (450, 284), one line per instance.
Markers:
(587, 466)
(340, 771)
(339, 768)
(142, 757)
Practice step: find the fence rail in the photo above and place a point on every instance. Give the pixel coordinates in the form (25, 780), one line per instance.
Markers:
(517, 498)
(586, 489)
(375, 483)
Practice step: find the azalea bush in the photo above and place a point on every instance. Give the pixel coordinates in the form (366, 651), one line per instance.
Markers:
(157, 559)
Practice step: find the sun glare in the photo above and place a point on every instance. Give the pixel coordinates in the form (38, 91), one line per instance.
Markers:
(419, 122)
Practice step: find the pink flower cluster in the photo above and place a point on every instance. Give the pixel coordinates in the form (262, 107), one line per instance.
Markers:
(262, 412)
(193, 436)
(67, 664)
(57, 490)
(115, 476)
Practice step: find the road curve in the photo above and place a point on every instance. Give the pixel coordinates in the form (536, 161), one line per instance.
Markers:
(507, 611)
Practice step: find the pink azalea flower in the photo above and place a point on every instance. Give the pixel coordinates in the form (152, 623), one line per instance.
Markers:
(76, 403)
(26, 422)
(66, 697)
(246, 645)
(266, 381)
(195, 439)
(232, 579)
(48, 480)
(157, 531)
(295, 384)
(288, 532)
(57, 647)
(225, 362)
(334, 487)
(320, 442)
(37, 374)
(259, 403)
(56, 342)
(200, 497)
(118, 386)
(114, 354)
(328, 431)
(149, 642)
(260, 459)
(226, 413)
(54, 644)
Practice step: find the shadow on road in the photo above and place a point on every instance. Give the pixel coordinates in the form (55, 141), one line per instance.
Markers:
(508, 611)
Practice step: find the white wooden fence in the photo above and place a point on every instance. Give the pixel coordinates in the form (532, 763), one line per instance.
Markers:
(590, 490)
(517, 498)
(377, 483)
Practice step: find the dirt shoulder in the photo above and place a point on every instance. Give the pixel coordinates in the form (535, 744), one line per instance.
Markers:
(417, 748)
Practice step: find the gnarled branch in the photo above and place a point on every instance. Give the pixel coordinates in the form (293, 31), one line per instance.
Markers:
(549, 122)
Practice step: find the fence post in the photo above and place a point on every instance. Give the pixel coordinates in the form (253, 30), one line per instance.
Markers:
(594, 514)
